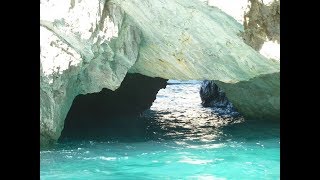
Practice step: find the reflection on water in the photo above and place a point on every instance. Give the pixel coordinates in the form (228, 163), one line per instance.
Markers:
(176, 115)
(176, 139)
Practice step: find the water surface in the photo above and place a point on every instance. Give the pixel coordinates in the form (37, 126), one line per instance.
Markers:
(175, 139)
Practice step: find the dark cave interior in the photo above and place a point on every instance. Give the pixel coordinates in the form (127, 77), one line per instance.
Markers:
(92, 114)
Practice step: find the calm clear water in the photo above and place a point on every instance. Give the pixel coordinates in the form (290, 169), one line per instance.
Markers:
(175, 139)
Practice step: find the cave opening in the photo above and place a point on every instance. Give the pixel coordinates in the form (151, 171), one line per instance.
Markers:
(111, 113)
(145, 108)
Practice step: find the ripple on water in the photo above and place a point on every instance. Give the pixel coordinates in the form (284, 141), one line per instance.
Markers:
(178, 139)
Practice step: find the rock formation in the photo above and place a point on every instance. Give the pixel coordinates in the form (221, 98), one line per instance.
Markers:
(212, 96)
(262, 23)
(89, 45)
(258, 98)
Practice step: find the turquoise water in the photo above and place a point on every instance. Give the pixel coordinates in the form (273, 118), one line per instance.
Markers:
(175, 139)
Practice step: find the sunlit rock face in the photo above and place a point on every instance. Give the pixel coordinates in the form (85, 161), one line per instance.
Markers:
(258, 98)
(82, 50)
(262, 23)
(189, 40)
(261, 20)
(89, 45)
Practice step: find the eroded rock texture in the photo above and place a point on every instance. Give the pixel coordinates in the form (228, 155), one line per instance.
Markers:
(262, 23)
(83, 50)
(256, 99)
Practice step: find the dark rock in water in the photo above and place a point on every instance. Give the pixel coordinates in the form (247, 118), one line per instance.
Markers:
(212, 96)
(93, 112)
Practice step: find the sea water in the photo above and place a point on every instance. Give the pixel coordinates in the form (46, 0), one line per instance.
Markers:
(176, 139)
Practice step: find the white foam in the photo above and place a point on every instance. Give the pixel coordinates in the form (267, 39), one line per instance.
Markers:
(107, 158)
(194, 161)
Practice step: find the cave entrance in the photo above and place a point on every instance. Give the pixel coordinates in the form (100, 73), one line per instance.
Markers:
(95, 115)
(141, 108)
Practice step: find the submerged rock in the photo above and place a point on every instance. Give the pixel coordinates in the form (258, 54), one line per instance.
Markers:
(212, 96)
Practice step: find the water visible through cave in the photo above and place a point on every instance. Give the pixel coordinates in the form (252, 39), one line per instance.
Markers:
(176, 138)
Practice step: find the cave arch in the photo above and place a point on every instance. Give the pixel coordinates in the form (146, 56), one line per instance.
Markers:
(90, 114)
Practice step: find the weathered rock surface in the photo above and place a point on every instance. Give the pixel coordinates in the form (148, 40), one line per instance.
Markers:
(80, 55)
(256, 99)
(89, 45)
(262, 23)
(189, 40)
